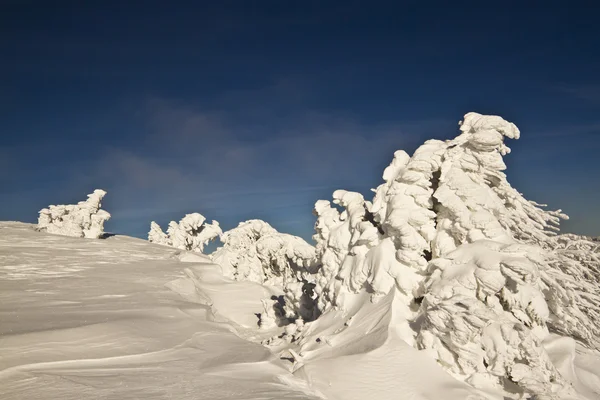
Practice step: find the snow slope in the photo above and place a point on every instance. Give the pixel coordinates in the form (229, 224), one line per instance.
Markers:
(479, 278)
(93, 319)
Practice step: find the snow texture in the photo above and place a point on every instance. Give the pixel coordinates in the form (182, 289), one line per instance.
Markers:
(191, 233)
(84, 219)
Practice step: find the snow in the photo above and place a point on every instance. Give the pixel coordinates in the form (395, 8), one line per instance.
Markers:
(95, 320)
(448, 284)
(84, 219)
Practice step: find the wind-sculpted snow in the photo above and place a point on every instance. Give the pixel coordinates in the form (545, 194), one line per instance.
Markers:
(84, 219)
(480, 276)
(191, 233)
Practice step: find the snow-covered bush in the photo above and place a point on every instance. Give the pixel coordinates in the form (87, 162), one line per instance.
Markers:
(191, 233)
(255, 251)
(84, 219)
(479, 271)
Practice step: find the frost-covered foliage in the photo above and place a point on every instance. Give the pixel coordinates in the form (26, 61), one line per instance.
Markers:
(192, 233)
(479, 268)
(255, 251)
(84, 219)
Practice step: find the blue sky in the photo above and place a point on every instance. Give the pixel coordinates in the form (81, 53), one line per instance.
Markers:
(240, 109)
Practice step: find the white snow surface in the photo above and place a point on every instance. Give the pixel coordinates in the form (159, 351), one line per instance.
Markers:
(84, 219)
(96, 319)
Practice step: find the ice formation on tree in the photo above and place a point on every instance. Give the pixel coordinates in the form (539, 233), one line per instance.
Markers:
(481, 275)
(256, 252)
(84, 219)
(191, 233)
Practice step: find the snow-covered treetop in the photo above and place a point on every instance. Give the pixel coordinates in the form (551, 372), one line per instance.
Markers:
(84, 219)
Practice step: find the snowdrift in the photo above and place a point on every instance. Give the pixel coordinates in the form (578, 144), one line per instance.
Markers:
(84, 219)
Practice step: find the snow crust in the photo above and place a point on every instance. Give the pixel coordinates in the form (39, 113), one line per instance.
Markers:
(190, 233)
(84, 219)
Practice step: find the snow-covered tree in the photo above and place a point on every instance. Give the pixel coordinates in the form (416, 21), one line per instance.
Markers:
(255, 251)
(479, 271)
(192, 233)
(84, 219)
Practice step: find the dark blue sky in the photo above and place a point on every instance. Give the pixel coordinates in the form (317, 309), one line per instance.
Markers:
(255, 109)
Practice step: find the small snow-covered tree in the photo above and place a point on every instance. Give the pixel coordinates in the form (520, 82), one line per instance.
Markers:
(84, 219)
(191, 233)
(255, 251)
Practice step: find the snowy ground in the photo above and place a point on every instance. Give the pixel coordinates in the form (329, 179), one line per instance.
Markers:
(91, 319)
(122, 318)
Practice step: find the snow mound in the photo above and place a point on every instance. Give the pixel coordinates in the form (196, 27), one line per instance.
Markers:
(84, 219)
(191, 233)
(480, 277)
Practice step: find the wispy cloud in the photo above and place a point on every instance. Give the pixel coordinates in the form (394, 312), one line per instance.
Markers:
(587, 92)
(193, 159)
